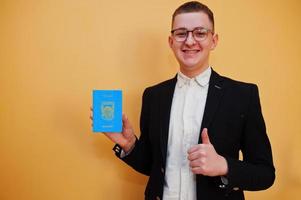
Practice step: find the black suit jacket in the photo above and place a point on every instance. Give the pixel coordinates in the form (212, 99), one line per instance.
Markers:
(235, 123)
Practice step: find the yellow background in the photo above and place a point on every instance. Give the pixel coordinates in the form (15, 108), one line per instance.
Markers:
(53, 53)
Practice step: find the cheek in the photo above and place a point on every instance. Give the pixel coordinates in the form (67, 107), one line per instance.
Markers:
(177, 50)
(209, 46)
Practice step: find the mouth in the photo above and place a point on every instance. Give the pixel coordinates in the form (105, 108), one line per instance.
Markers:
(190, 51)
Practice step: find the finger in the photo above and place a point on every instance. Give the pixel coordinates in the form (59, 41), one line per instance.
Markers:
(194, 164)
(197, 170)
(127, 129)
(197, 147)
(193, 149)
(126, 122)
(205, 137)
(197, 163)
(91, 114)
(196, 155)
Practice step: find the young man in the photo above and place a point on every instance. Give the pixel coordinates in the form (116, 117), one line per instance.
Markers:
(194, 125)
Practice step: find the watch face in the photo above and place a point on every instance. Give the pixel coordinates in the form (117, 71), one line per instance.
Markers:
(224, 180)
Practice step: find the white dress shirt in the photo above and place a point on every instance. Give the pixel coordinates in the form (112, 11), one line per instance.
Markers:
(186, 116)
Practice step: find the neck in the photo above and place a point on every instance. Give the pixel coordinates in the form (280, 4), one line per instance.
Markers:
(193, 73)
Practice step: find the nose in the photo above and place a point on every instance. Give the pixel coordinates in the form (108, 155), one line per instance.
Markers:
(190, 39)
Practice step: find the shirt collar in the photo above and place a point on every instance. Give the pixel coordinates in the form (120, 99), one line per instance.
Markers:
(202, 79)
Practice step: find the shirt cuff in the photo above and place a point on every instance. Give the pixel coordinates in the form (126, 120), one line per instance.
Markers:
(120, 152)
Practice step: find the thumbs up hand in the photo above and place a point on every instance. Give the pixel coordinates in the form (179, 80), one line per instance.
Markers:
(204, 160)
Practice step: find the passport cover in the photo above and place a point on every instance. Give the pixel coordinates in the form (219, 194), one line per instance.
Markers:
(107, 110)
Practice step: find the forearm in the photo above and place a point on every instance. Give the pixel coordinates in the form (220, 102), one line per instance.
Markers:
(138, 158)
(250, 176)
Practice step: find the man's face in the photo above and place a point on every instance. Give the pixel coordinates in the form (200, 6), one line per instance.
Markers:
(192, 55)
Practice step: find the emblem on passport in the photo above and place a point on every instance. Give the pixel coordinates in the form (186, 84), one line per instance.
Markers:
(107, 110)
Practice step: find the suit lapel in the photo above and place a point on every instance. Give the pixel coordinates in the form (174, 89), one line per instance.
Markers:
(166, 96)
(214, 96)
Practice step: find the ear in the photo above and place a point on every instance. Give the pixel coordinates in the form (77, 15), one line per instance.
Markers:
(170, 41)
(214, 41)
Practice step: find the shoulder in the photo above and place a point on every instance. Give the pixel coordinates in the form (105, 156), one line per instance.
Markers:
(233, 88)
(163, 86)
(237, 84)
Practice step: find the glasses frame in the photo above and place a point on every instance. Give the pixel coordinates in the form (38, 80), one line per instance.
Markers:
(192, 32)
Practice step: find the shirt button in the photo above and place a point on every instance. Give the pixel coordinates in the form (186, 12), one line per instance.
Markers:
(236, 188)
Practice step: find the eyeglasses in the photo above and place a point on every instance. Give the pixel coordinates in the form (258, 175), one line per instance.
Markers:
(199, 34)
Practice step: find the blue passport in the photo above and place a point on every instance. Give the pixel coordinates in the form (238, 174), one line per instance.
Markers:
(107, 111)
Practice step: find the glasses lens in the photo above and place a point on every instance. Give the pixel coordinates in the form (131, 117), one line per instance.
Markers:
(200, 34)
(180, 35)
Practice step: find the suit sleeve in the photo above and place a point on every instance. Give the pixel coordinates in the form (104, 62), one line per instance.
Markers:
(256, 171)
(140, 157)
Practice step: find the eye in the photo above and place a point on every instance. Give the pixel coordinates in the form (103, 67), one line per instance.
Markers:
(200, 33)
(180, 33)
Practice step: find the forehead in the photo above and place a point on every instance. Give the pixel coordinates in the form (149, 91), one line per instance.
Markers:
(191, 20)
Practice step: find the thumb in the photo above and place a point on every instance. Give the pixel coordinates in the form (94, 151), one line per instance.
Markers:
(125, 121)
(126, 127)
(205, 137)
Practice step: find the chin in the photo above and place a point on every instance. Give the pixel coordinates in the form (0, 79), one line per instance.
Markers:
(190, 66)
(191, 62)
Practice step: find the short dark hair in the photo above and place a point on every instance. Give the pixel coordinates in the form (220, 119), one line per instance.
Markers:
(194, 6)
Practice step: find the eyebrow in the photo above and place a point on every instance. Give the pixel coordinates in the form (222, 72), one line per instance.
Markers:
(201, 27)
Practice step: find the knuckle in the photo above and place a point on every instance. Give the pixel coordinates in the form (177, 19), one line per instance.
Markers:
(204, 168)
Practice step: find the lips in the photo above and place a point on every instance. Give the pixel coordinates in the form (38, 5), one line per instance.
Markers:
(190, 51)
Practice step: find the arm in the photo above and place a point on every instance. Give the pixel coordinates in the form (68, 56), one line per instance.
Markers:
(256, 171)
(140, 157)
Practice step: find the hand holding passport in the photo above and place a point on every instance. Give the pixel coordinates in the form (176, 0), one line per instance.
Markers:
(108, 118)
(126, 139)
